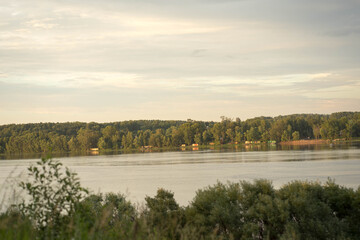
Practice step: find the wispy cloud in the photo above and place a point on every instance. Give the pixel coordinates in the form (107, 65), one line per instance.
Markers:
(41, 23)
(177, 59)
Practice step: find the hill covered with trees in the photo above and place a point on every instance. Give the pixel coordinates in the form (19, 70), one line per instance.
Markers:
(80, 136)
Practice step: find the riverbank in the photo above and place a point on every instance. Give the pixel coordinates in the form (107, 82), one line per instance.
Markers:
(316, 142)
(307, 142)
(291, 145)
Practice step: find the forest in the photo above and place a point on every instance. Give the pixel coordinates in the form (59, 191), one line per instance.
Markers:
(80, 136)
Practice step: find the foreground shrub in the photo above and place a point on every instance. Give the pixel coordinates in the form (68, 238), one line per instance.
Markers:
(299, 210)
(100, 214)
(217, 210)
(163, 215)
(265, 215)
(310, 215)
(238, 210)
(53, 193)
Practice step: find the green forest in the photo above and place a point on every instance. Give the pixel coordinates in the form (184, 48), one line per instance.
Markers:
(80, 136)
(59, 208)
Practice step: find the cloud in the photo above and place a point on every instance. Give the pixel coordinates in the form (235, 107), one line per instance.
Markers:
(345, 31)
(177, 58)
(41, 23)
(198, 52)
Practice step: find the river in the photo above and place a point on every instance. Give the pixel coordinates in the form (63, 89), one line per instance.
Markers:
(183, 172)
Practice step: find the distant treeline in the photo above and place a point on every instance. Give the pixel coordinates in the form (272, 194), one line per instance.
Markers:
(79, 136)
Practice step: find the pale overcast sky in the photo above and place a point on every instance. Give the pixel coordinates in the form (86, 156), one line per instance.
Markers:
(114, 60)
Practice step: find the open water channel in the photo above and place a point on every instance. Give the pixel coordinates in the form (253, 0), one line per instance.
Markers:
(184, 172)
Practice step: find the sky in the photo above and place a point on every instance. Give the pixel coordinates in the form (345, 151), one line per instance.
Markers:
(115, 60)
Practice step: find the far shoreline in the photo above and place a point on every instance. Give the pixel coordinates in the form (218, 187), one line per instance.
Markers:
(261, 146)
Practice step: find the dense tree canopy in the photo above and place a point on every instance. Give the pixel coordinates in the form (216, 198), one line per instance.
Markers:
(78, 136)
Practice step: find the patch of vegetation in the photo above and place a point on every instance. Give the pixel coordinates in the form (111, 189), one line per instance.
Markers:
(144, 134)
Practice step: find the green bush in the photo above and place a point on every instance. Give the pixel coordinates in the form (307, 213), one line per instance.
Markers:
(238, 210)
(53, 193)
(308, 213)
(217, 210)
(163, 215)
(299, 210)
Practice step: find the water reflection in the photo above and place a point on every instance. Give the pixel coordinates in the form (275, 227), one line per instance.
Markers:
(184, 172)
(219, 148)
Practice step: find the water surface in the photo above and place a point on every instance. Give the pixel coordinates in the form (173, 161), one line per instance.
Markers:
(141, 174)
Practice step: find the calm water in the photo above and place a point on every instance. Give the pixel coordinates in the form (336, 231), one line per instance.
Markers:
(138, 175)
